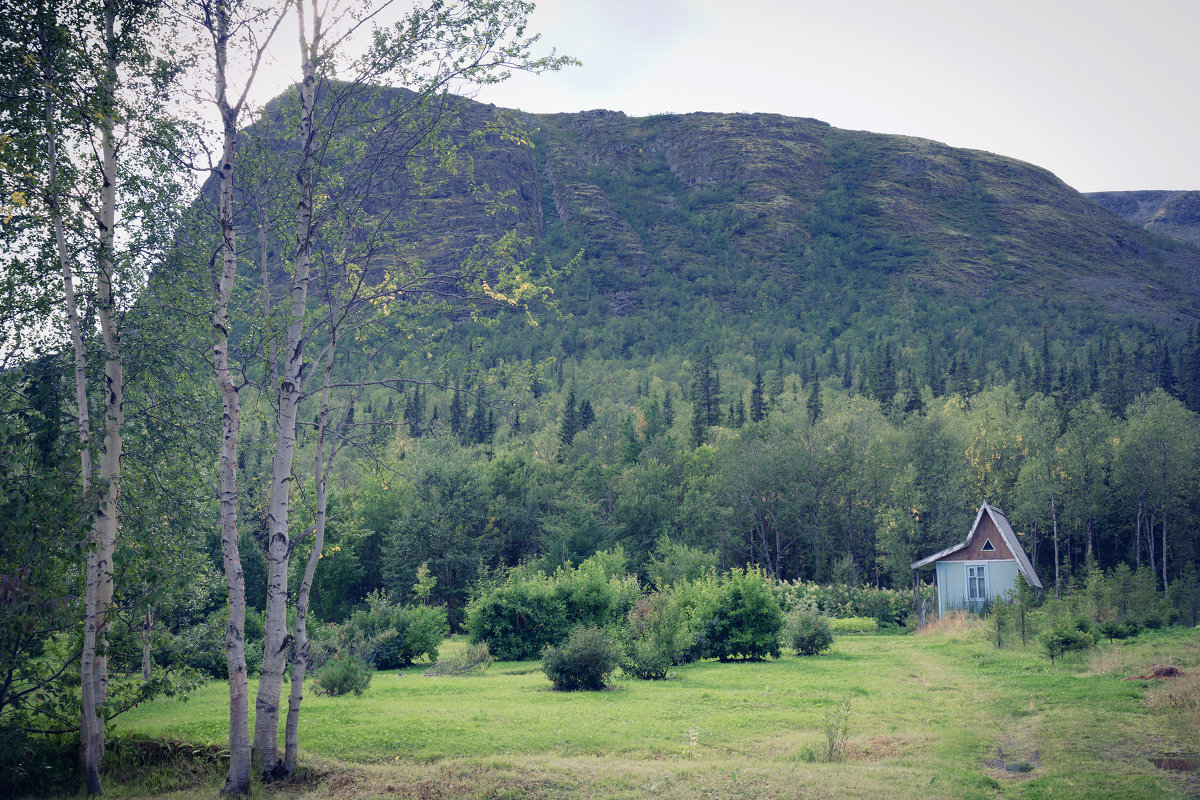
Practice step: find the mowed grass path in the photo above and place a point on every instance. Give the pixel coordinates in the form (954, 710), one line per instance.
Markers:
(927, 716)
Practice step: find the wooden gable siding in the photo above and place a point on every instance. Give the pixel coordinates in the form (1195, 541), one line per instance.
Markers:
(975, 552)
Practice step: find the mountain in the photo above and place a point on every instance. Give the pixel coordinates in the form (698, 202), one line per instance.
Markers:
(707, 201)
(766, 319)
(768, 237)
(1174, 214)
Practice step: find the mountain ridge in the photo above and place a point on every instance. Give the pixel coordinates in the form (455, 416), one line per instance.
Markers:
(1171, 213)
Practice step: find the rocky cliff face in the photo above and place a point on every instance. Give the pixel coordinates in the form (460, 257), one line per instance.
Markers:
(714, 200)
(1174, 214)
(963, 222)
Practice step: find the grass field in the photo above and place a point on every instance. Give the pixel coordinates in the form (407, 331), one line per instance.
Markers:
(941, 714)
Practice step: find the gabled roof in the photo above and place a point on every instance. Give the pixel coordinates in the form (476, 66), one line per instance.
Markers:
(1006, 533)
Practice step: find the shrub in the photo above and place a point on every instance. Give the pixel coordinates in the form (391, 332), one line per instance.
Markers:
(658, 637)
(746, 620)
(891, 608)
(423, 629)
(806, 631)
(1113, 630)
(518, 617)
(387, 635)
(1058, 641)
(854, 625)
(583, 661)
(696, 601)
(343, 674)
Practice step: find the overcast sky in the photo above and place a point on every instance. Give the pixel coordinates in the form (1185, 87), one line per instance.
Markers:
(1104, 93)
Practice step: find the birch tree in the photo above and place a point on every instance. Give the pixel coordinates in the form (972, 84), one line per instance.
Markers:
(432, 50)
(88, 77)
(242, 30)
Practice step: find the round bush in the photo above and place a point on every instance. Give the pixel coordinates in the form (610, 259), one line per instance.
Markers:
(806, 631)
(344, 674)
(583, 661)
(658, 637)
(517, 618)
(746, 619)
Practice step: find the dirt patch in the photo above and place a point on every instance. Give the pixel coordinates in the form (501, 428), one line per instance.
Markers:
(1015, 762)
(1177, 763)
(1017, 756)
(1159, 672)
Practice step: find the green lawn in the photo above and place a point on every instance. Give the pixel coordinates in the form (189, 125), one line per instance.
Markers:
(935, 715)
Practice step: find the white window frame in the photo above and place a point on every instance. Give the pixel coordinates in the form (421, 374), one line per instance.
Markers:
(981, 575)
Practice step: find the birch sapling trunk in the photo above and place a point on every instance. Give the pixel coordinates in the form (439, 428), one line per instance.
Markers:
(88, 719)
(147, 633)
(237, 781)
(1164, 550)
(321, 467)
(1137, 531)
(1150, 544)
(276, 641)
(1054, 522)
(98, 591)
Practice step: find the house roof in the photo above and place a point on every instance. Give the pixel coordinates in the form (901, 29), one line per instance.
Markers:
(1006, 532)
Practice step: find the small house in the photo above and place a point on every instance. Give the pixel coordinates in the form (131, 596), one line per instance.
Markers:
(982, 567)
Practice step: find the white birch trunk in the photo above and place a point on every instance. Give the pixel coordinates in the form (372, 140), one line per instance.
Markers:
(276, 641)
(1054, 522)
(99, 587)
(237, 781)
(89, 722)
(147, 633)
(321, 465)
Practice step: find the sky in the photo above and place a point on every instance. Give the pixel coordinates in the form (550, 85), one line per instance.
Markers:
(1103, 93)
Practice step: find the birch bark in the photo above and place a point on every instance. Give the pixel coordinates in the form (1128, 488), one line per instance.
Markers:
(89, 720)
(276, 641)
(237, 781)
(98, 590)
(321, 467)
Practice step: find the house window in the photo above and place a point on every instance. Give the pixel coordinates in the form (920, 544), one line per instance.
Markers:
(987, 545)
(977, 582)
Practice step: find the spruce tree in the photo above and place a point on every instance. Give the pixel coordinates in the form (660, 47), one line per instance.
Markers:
(1044, 369)
(1114, 392)
(570, 424)
(706, 388)
(586, 415)
(814, 403)
(477, 430)
(412, 413)
(883, 373)
(699, 426)
(757, 404)
(1166, 372)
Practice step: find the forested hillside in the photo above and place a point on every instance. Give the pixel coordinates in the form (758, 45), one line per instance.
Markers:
(878, 332)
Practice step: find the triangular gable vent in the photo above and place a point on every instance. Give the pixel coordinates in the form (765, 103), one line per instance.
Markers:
(987, 545)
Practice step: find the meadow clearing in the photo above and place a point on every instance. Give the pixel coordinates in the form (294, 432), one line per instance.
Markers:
(942, 713)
